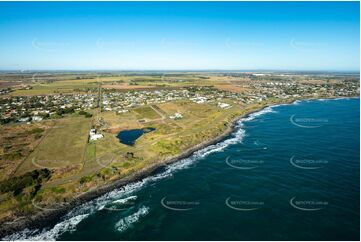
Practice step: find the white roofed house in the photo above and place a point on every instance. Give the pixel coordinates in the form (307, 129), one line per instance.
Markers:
(224, 105)
(176, 116)
(37, 118)
(25, 119)
(94, 136)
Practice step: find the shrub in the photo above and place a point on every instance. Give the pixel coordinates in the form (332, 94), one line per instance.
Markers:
(35, 131)
(69, 110)
(85, 179)
(86, 114)
(129, 155)
(58, 189)
(19, 183)
(13, 156)
(82, 112)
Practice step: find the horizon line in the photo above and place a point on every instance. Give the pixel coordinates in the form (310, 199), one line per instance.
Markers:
(178, 70)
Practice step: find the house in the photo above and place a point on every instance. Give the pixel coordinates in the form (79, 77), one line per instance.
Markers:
(123, 111)
(224, 105)
(37, 118)
(26, 119)
(176, 116)
(94, 136)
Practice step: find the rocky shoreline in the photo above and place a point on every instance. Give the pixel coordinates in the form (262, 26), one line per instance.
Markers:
(42, 218)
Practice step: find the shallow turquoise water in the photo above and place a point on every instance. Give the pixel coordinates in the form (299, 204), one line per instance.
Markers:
(290, 172)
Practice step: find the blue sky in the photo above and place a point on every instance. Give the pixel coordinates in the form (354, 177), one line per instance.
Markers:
(180, 35)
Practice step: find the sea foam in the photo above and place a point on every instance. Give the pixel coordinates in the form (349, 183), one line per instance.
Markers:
(68, 225)
(127, 222)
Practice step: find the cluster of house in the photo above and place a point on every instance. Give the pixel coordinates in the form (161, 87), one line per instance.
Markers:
(36, 108)
(5, 91)
(199, 99)
(121, 102)
(292, 89)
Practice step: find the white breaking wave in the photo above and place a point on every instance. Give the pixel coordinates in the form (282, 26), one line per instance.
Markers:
(124, 223)
(335, 99)
(254, 115)
(119, 201)
(125, 200)
(76, 215)
(296, 102)
(64, 226)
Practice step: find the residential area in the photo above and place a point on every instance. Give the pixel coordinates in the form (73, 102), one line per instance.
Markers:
(15, 109)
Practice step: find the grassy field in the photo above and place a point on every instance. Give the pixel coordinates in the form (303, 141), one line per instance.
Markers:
(16, 144)
(115, 122)
(146, 113)
(63, 145)
(55, 88)
(171, 137)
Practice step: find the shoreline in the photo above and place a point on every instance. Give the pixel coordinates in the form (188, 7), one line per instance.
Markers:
(41, 219)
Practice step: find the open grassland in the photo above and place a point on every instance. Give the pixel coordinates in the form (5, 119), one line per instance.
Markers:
(171, 137)
(60, 87)
(231, 87)
(113, 122)
(16, 143)
(146, 112)
(63, 146)
(126, 86)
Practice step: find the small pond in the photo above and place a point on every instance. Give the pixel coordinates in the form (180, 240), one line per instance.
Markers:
(128, 137)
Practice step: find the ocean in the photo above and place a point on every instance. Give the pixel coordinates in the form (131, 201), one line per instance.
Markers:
(288, 172)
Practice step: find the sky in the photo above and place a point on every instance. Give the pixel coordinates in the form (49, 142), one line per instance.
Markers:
(180, 36)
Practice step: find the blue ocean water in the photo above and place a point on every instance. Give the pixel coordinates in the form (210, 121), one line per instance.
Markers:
(289, 172)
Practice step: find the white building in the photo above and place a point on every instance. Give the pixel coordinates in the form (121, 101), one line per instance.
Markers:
(123, 111)
(176, 116)
(37, 118)
(94, 136)
(26, 119)
(224, 105)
